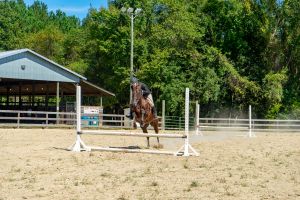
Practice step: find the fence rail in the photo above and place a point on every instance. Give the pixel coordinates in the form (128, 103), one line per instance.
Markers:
(256, 124)
(15, 118)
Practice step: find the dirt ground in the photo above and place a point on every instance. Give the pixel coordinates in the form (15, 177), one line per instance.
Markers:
(36, 165)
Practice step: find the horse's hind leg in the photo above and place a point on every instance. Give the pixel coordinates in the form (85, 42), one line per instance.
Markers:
(155, 126)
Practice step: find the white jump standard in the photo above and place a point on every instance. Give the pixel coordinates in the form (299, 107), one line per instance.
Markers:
(81, 146)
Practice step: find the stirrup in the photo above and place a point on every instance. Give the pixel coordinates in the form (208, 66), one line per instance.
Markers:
(129, 116)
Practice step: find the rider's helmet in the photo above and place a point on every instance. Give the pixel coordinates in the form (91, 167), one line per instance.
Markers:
(134, 79)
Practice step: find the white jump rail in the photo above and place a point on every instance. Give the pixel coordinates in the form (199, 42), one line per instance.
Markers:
(185, 150)
(121, 133)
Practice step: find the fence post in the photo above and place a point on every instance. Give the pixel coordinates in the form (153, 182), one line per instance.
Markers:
(47, 119)
(163, 115)
(18, 121)
(250, 122)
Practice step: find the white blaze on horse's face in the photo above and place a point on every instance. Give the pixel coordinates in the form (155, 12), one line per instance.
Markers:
(135, 94)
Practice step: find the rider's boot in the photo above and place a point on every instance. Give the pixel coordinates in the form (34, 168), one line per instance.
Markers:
(130, 115)
(154, 112)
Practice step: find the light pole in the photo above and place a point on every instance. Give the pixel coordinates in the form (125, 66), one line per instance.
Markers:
(132, 13)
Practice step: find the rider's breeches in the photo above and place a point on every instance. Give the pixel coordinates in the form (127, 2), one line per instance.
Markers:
(150, 100)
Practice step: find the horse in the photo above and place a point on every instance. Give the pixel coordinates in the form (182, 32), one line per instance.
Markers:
(142, 110)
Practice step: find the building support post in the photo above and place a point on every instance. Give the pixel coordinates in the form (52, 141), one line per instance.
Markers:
(20, 95)
(57, 102)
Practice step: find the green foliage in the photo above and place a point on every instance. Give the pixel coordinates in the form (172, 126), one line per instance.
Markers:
(229, 53)
(47, 42)
(273, 86)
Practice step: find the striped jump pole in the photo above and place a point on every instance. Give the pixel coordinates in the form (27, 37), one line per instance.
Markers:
(186, 147)
(79, 144)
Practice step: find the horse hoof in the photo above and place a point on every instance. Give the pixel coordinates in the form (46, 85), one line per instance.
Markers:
(158, 146)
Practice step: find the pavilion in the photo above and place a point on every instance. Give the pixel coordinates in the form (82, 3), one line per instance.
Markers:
(29, 81)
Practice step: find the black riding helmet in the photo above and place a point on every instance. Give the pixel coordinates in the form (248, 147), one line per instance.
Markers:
(134, 79)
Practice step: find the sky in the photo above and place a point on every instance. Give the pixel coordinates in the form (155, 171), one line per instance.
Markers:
(79, 8)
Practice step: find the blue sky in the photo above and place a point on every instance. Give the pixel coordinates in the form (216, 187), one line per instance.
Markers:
(78, 8)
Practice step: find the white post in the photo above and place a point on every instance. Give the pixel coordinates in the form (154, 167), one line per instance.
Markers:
(197, 124)
(250, 122)
(79, 144)
(163, 115)
(57, 102)
(186, 122)
(78, 108)
(131, 52)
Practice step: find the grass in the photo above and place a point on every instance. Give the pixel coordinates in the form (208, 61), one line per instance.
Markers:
(243, 176)
(194, 184)
(214, 189)
(154, 183)
(186, 165)
(251, 162)
(86, 181)
(244, 184)
(221, 180)
(122, 197)
(105, 174)
(202, 165)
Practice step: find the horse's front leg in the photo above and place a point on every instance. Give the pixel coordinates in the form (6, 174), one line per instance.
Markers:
(144, 128)
(143, 116)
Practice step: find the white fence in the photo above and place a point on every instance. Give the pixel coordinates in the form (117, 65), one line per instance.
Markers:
(256, 124)
(14, 118)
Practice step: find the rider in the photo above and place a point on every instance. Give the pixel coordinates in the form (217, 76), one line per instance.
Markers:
(147, 95)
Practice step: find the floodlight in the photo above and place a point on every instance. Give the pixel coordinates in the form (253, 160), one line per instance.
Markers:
(137, 11)
(123, 9)
(130, 10)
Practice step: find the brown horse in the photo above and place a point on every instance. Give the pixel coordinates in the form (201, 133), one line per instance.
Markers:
(143, 111)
